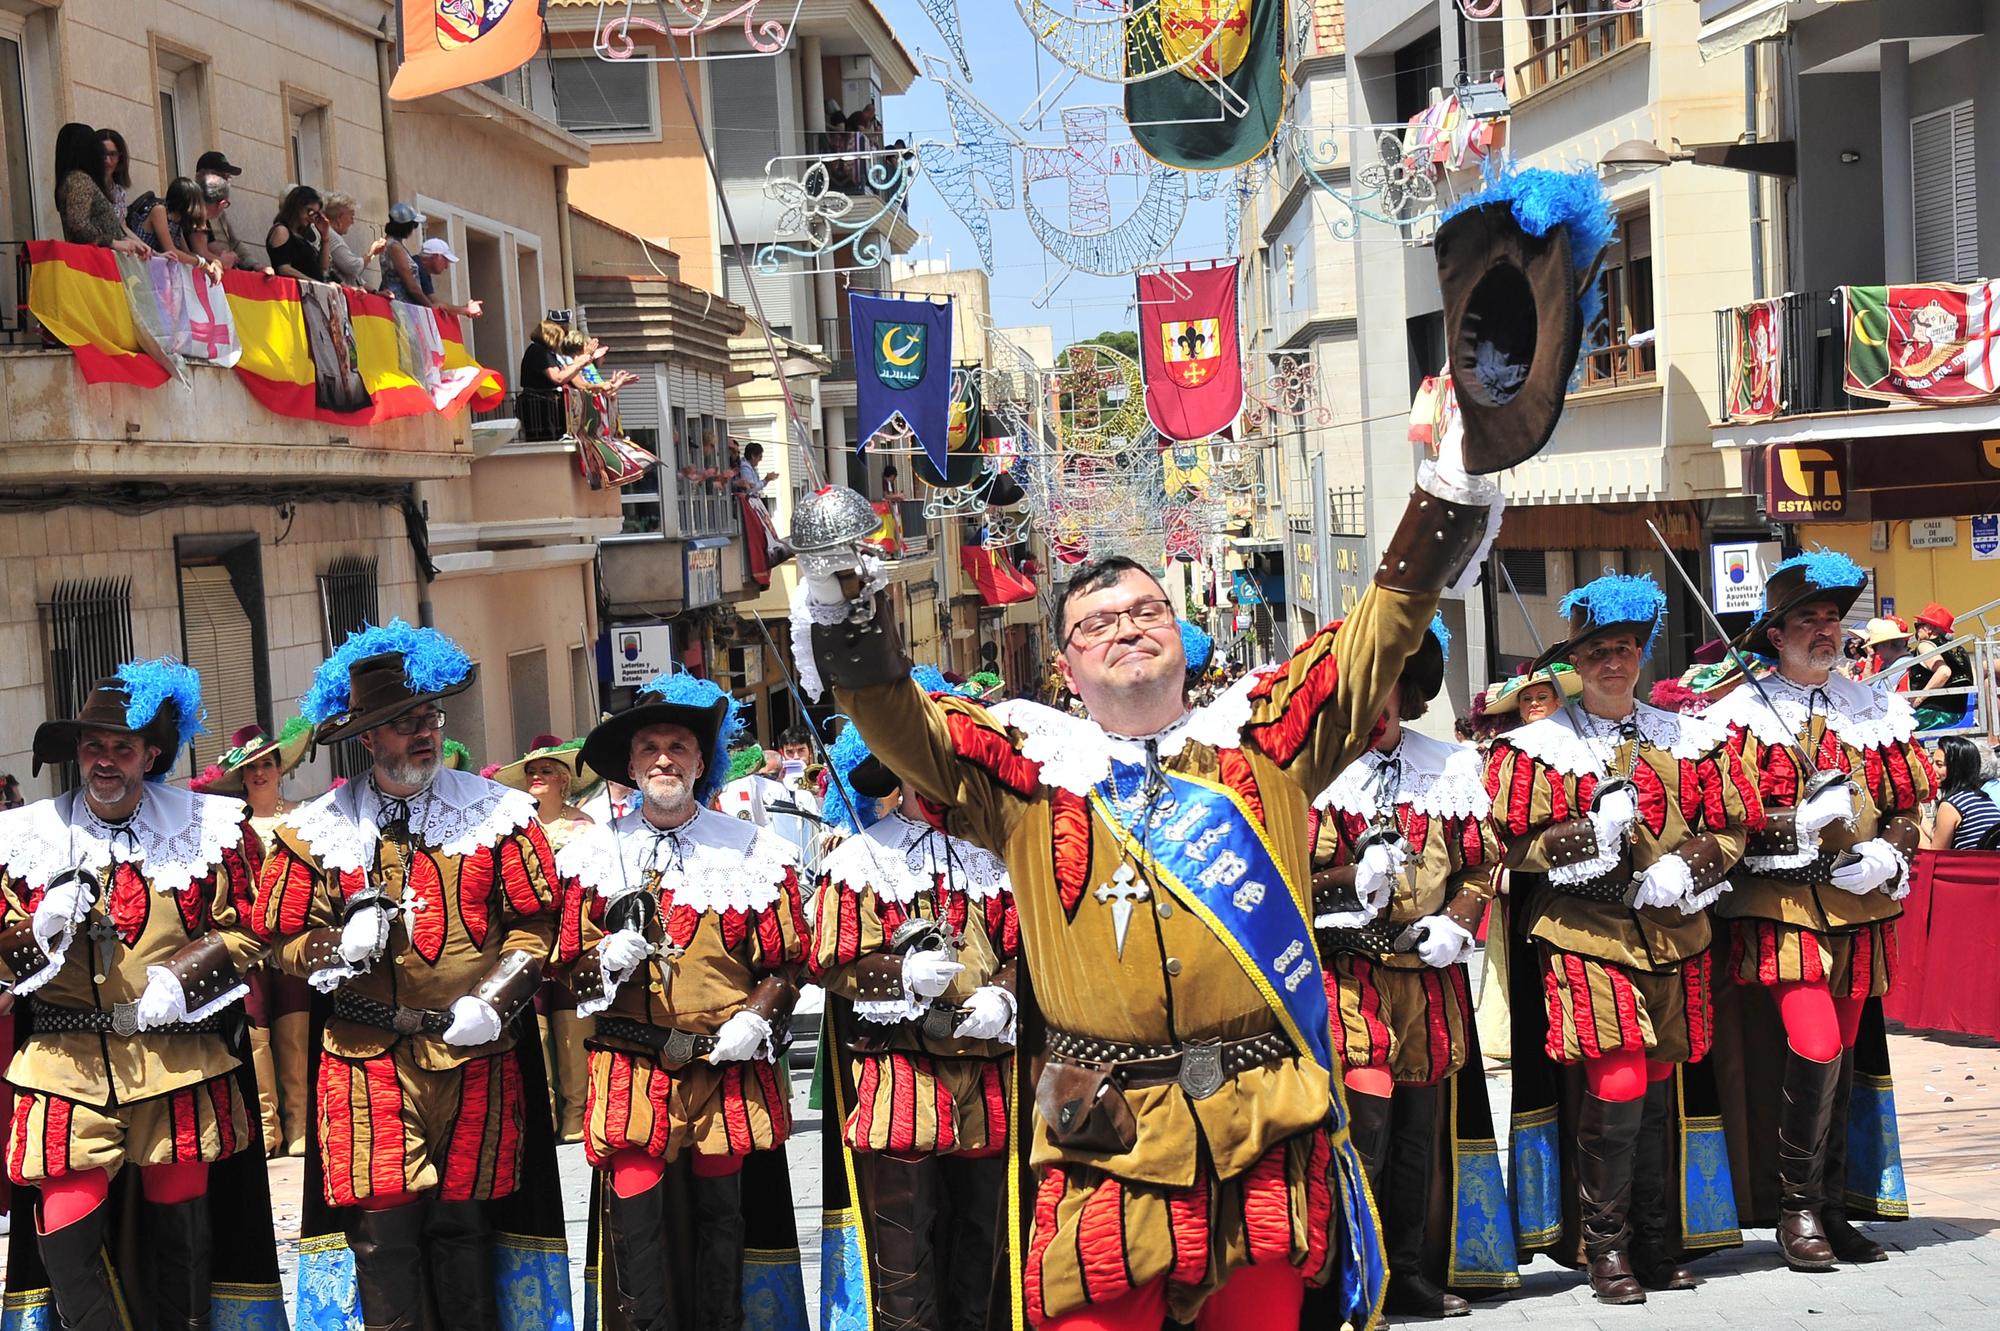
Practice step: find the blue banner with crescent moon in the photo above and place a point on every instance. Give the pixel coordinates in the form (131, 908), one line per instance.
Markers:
(902, 367)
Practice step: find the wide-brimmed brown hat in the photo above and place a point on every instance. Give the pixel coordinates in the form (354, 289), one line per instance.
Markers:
(1512, 262)
(378, 692)
(165, 694)
(1613, 603)
(701, 705)
(1817, 575)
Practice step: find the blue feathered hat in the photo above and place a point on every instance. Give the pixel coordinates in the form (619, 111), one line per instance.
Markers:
(379, 674)
(861, 777)
(1613, 603)
(158, 700)
(1818, 574)
(1197, 646)
(677, 698)
(1516, 263)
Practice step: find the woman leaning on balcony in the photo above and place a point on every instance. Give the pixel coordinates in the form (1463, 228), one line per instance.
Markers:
(88, 215)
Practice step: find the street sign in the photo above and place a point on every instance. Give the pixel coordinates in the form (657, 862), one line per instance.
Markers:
(1933, 533)
(1986, 535)
(1736, 574)
(639, 652)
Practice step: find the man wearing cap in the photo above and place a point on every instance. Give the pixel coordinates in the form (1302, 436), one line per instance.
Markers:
(433, 258)
(1404, 868)
(1812, 917)
(123, 899)
(683, 930)
(917, 943)
(423, 901)
(1635, 815)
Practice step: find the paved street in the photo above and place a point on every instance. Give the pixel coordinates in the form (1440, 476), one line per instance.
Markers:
(1945, 1271)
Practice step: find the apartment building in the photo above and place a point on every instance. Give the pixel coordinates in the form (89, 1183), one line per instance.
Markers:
(193, 520)
(1584, 88)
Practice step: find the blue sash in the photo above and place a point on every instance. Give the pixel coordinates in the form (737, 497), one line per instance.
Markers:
(1214, 857)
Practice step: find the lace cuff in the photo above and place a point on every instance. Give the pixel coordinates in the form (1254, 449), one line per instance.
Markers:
(1610, 846)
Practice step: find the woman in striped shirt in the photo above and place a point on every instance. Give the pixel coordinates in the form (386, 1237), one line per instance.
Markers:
(1967, 818)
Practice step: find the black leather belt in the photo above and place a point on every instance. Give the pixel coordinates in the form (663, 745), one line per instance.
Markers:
(674, 1048)
(1201, 1067)
(350, 1006)
(120, 1019)
(1376, 936)
(1613, 886)
(1816, 872)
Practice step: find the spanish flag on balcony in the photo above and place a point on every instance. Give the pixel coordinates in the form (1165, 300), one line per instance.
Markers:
(319, 352)
(488, 386)
(78, 294)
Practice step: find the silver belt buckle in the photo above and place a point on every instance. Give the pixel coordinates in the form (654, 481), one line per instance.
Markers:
(678, 1050)
(125, 1019)
(406, 1021)
(1201, 1069)
(939, 1021)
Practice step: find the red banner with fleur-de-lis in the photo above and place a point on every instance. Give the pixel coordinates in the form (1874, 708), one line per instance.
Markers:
(1189, 350)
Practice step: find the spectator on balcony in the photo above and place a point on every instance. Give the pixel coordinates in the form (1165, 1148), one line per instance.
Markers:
(574, 344)
(432, 260)
(88, 215)
(117, 168)
(172, 224)
(297, 242)
(544, 374)
(216, 241)
(336, 219)
(1967, 818)
(401, 279)
(748, 478)
(1950, 671)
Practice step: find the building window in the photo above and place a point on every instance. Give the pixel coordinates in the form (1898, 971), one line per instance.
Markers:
(1619, 347)
(528, 696)
(1565, 36)
(181, 83)
(605, 100)
(88, 630)
(1945, 194)
(348, 599)
(306, 125)
(220, 638)
(640, 501)
(18, 176)
(1529, 570)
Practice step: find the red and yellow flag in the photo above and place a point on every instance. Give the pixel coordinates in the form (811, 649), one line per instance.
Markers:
(456, 43)
(77, 293)
(488, 386)
(278, 365)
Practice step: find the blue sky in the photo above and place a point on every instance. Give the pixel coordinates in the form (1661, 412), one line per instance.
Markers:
(1005, 77)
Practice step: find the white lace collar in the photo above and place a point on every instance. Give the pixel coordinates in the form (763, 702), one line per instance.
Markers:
(177, 836)
(1438, 779)
(713, 862)
(1861, 716)
(1075, 753)
(902, 859)
(459, 813)
(1554, 742)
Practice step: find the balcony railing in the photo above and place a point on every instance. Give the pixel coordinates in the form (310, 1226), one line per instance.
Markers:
(1576, 47)
(707, 505)
(1616, 366)
(18, 328)
(1811, 359)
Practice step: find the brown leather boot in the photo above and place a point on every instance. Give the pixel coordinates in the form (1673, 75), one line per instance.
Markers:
(461, 1258)
(1653, 1258)
(266, 1069)
(181, 1245)
(567, 1034)
(1606, 1133)
(1368, 1128)
(291, 1050)
(978, 1192)
(1802, 1123)
(718, 1252)
(1848, 1243)
(79, 1277)
(904, 1206)
(1412, 1162)
(389, 1267)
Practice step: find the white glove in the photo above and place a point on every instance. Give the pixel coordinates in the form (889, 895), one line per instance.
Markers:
(1376, 875)
(745, 1035)
(824, 588)
(1879, 863)
(364, 935)
(474, 1021)
(621, 953)
(163, 1002)
(928, 974)
(1443, 941)
(989, 1015)
(62, 906)
(1835, 802)
(1616, 812)
(1667, 882)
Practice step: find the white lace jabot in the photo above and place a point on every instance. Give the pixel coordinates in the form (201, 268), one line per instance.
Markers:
(178, 837)
(1438, 779)
(713, 862)
(1554, 741)
(458, 814)
(1860, 716)
(901, 859)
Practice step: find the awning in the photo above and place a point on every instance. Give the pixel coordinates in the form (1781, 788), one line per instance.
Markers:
(1752, 21)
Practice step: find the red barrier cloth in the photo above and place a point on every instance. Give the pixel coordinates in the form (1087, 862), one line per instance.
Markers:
(1947, 944)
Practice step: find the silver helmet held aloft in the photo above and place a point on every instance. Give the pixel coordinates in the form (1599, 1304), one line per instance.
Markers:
(828, 527)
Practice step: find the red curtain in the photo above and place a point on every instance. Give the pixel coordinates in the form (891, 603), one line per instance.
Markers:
(1946, 941)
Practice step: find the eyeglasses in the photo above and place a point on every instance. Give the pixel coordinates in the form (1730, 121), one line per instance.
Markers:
(418, 723)
(1152, 613)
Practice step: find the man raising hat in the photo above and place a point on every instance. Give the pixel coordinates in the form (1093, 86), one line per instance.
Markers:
(917, 943)
(683, 930)
(1635, 815)
(123, 899)
(1812, 919)
(1410, 867)
(423, 901)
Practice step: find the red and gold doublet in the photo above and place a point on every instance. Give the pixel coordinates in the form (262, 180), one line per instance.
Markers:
(729, 915)
(473, 879)
(182, 870)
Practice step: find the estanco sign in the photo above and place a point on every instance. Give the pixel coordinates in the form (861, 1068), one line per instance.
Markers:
(1806, 482)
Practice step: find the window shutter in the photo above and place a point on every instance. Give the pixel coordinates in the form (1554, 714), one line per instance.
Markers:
(776, 290)
(745, 99)
(639, 402)
(221, 645)
(602, 96)
(1945, 195)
